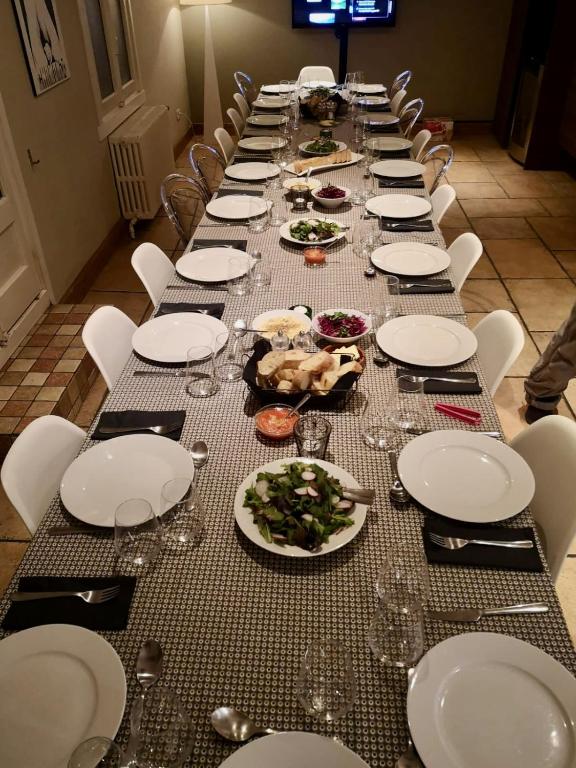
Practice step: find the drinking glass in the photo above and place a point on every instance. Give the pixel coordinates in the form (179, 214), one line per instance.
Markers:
(396, 634)
(285, 88)
(230, 357)
(137, 534)
(377, 429)
(183, 512)
(349, 85)
(278, 212)
(385, 300)
(273, 180)
(407, 405)
(365, 236)
(312, 434)
(260, 274)
(403, 577)
(97, 752)
(161, 729)
(326, 686)
(258, 221)
(200, 375)
(239, 280)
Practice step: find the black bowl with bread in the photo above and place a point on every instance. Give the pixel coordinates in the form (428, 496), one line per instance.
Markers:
(284, 377)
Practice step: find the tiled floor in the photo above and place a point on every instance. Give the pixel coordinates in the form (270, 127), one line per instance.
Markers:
(527, 222)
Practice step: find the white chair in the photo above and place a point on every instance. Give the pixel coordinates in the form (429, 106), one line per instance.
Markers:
(154, 268)
(396, 101)
(400, 81)
(442, 198)
(549, 447)
(312, 74)
(242, 104)
(225, 142)
(464, 253)
(500, 341)
(237, 121)
(34, 466)
(420, 141)
(107, 335)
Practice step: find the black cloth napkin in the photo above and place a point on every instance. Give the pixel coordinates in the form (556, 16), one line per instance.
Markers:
(250, 192)
(425, 285)
(248, 159)
(444, 387)
(384, 128)
(112, 615)
(423, 225)
(141, 419)
(400, 154)
(476, 554)
(200, 243)
(398, 184)
(213, 310)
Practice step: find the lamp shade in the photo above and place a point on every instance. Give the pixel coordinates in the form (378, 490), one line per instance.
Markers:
(204, 2)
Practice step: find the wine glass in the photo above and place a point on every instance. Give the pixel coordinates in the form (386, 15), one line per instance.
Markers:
(183, 518)
(326, 686)
(137, 534)
(396, 634)
(376, 428)
(407, 405)
(385, 300)
(403, 577)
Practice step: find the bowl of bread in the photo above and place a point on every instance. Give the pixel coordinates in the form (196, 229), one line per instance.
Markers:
(285, 376)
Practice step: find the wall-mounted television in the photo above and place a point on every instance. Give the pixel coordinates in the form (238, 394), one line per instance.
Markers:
(349, 13)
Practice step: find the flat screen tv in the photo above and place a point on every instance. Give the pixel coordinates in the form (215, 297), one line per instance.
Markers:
(350, 13)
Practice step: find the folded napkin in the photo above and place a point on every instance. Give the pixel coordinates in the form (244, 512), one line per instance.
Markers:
(112, 615)
(401, 154)
(425, 285)
(444, 387)
(252, 159)
(200, 243)
(140, 419)
(213, 310)
(423, 225)
(384, 128)
(377, 107)
(478, 555)
(400, 184)
(250, 192)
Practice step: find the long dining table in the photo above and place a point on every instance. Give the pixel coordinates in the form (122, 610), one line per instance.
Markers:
(234, 620)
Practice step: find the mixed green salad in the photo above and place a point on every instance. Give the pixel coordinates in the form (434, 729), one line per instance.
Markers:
(322, 146)
(314, 230)
(302, 506)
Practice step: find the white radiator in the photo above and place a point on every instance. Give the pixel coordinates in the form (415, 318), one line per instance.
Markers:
(142, 157)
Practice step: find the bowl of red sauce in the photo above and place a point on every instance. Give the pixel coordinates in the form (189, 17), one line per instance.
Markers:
(273, 421)
(331, 196)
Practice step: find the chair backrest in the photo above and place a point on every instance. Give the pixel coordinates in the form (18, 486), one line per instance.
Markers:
(184, 200)
(549, 447)
(464, 253)
(245, 85)
(409, 114)
(34, 466)
(500, 341)
(208, 165)
(396, 101)
(400, 81)
(237, 121)
(446, 161)
(225, 142)
(107, 335)
(442, 198)
(313, 73)
(154, 268)
(242, 104)
(420, 140)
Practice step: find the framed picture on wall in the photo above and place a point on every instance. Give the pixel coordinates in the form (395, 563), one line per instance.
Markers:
(42, 41)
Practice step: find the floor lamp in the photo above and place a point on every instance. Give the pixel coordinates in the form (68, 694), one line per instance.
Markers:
(212, 106)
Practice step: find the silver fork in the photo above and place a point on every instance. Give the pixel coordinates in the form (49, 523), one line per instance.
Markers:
(163, 429)
(92, 596)
(423, 379)
(451, 542)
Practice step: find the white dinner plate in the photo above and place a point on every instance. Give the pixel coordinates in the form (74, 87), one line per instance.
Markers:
(380, 118)
(311, 84)
(466, 476)
(285, 231)
(248, 172)
(234, 207)
(355, 157)
(287, 750)
(302, 148)
(271, 102)
(59, 685)
(268, 120)
(486, 700)
(398, 169)
(426, 340)
(262, 143)
(311, 183)
(399, 206)
(388, 143)
(210, 265)
(302, 319)
(276, 88)
(167, 339)
(373, 101)
(126, 467)
(411, 259)
(245, 518)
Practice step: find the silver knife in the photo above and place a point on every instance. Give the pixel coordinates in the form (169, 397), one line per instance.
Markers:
(176, 374)
(475, 614)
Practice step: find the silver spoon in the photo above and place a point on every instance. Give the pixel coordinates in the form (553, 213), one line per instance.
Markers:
(234, 725)
(378, 357)
(397, 491)
(409, 758)
(199, 453)
(149, 664)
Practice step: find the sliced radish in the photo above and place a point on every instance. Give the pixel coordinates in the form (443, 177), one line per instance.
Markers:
(345, 504)
(308, 475)
(313, 492)
(301, 491)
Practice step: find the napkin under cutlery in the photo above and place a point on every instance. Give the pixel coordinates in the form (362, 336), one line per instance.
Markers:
(111, 615)
(169, 308)
(444, 387)
(200, 243)
(478, 555)
(401, 184)
(248, 159)
(384, 128)
(423, 225)
(141, 419)
(250, 192)
(425, 285)
(401, 154)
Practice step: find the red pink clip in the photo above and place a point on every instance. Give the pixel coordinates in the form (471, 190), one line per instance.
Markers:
(457, 412)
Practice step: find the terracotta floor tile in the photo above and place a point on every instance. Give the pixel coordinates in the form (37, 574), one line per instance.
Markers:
(8, 424)
(568, 261)
(565, 189)
(567, 594)
(91, 404)
(52, 394)
(483, 269)
(502, 168)
(484, 296)
(35, 379)
(462, 153)
(527, 357)
(543, 304)
(558, 232)
(570, 395)
(522, 258)
(511, 405)
(489, 207)
(6, 392)
(541, 339)
(495, 227)
(159, 231)
(451, 233)
(13, 407)
(470, 190)
(556, 176)
(40, 408)
(559, 206)
(525, 185)
(118, 274)
(454, 216)
(11, 553)
(469, 172)
(11, 379)
(492, 155)
(133, 304)
(11, 525)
